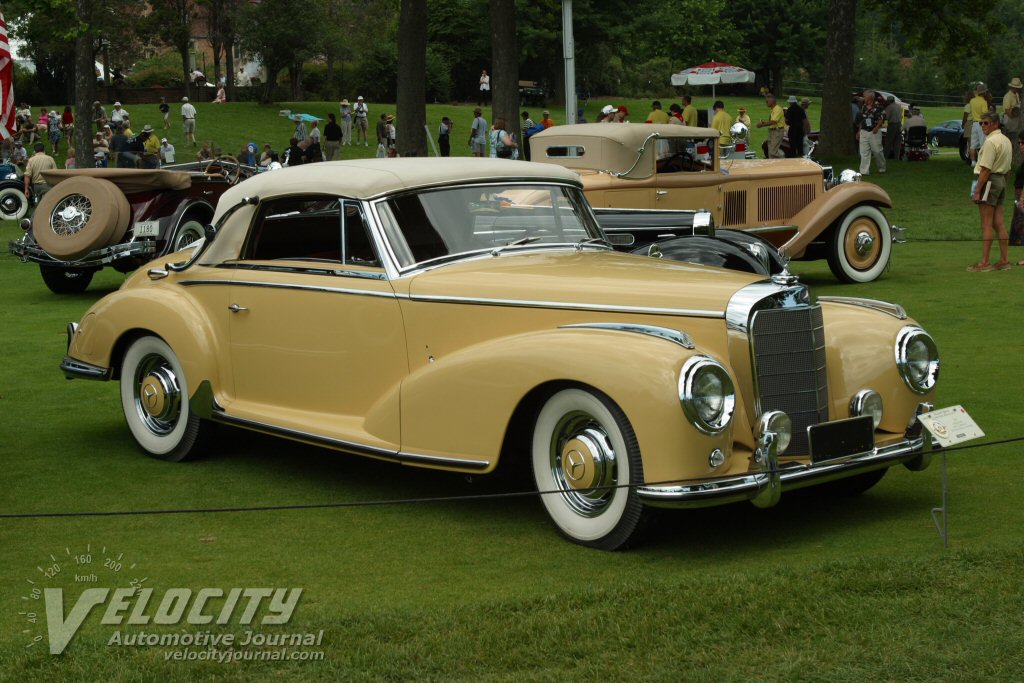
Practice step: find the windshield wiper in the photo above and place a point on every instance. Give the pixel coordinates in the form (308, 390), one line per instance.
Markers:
(517, 243)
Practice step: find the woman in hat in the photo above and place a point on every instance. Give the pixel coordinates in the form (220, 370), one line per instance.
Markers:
(53, 130)
(741, 117)
(346, 122)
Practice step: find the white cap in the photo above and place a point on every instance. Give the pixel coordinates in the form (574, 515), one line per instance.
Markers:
(163, 139)
(360, 97)
(117, 104)
(607, 109)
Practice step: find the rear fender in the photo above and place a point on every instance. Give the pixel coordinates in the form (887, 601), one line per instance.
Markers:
(461, 405)
(816, 218)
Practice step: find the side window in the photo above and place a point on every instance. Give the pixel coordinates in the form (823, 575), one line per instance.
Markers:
(686, 155)
(311, 229)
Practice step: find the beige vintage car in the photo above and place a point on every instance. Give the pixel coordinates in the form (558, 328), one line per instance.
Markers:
(789, 202)
(462, 313)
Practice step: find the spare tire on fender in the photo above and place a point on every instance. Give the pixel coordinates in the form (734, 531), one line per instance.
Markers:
(79, 215)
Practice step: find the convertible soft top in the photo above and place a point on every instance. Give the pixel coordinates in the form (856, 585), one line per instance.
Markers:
(128, 180)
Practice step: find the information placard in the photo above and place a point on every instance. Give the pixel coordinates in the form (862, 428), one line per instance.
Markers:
(951, 426)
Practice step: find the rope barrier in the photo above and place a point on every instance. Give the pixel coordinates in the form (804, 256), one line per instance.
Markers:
(418, 501)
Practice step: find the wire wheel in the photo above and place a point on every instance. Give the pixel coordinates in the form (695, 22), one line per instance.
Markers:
(71, 215)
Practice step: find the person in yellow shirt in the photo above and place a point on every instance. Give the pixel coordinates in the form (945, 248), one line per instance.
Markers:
(993, 165)
(689, 111)
(776, 124)
(978, 106)
(657, 115)
(722, 122)
(742, 117)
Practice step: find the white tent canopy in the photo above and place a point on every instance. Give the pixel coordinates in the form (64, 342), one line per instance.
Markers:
(712, 74)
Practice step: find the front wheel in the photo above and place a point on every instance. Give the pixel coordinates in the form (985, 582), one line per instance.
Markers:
(13, 204)
(861, 245)
(66, 280)
(586, 463)
(154, 398)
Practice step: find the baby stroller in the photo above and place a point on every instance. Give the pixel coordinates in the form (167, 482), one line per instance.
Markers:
(916, 144)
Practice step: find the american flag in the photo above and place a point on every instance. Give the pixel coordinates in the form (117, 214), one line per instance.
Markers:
(7, 127)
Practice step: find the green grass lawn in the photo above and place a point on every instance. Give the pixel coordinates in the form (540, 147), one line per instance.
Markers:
(812, 590)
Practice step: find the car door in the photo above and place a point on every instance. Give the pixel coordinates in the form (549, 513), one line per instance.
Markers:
(317, 342)
(686, 175)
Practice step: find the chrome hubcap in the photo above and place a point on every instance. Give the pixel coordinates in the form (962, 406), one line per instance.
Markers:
(583, 464)
(157, 396)
(70, 215)
(865, 243)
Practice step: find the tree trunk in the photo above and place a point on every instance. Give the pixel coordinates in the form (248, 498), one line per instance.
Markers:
(187, 70)
(505, 65)
(836, 123)
(412, 79)
(85, 85)
(229, 61)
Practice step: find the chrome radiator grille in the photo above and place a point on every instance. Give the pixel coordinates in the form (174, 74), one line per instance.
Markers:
(789, 359)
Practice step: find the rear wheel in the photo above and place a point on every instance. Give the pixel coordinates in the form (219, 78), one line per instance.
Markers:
(154, 398)
(66, 280)
(861, 245)
(586, 455)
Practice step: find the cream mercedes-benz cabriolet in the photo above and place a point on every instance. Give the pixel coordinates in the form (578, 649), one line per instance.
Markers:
(454, 313)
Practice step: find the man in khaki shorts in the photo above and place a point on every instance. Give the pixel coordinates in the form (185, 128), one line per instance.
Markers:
(994, 160)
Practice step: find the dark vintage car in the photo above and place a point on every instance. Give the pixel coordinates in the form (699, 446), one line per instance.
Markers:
(14, 205)
(120, 217)
(532, 93)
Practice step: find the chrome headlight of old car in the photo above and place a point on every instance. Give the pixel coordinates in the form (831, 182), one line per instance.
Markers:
(867, 402)
(707, 394)
(739, 132)
(917, 358)
(848, 176)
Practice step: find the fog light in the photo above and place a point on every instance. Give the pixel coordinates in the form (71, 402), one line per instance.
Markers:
(717, 458)
(867, 402)
(779, 424)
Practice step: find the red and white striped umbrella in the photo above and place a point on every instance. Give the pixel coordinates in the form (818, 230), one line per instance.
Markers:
(712, 74)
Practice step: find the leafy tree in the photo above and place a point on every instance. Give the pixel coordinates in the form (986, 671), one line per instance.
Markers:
(273, 32)
(171, 22)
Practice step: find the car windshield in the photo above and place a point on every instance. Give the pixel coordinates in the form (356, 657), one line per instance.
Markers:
(439, 224)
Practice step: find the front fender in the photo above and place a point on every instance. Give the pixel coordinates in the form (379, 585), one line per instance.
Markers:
(461, 405)
(816, 218)
(111, 323)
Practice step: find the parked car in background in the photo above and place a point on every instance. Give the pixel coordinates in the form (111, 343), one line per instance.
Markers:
(796, 204)
(946, 134)
(531, 93)
(14, 205)
(462, 314)
(93, 218)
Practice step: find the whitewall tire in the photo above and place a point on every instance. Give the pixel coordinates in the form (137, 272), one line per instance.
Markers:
(861, 245)
(584, 450)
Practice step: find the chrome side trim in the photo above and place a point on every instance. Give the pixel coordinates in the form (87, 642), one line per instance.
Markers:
(750, 486)
(685, 312)
(309, 270)
(674, 336)
(349, 446)
(895, 310)
(76, 369)
(280, 285)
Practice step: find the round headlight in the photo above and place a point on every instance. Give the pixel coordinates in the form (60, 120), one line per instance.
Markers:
(707, 395)
(867, 402)
(917, 358)
(848, 176)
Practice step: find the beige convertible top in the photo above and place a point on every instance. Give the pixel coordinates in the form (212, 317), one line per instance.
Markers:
(128, 180)
(369, 178)
(607, 146)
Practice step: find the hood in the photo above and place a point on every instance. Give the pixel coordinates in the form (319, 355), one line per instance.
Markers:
(595, 280)
(771, 168)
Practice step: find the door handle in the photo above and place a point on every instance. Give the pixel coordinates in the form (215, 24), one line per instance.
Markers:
(235, 308)
(661, 193)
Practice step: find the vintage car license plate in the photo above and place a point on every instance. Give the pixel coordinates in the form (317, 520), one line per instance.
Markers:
(839, 439)
(147, 229)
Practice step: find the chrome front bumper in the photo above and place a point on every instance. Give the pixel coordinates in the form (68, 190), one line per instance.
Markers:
(763, 488)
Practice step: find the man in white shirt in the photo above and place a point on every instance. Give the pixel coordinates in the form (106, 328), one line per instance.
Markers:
(166, 151)
(188, 120)
(118, 115)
